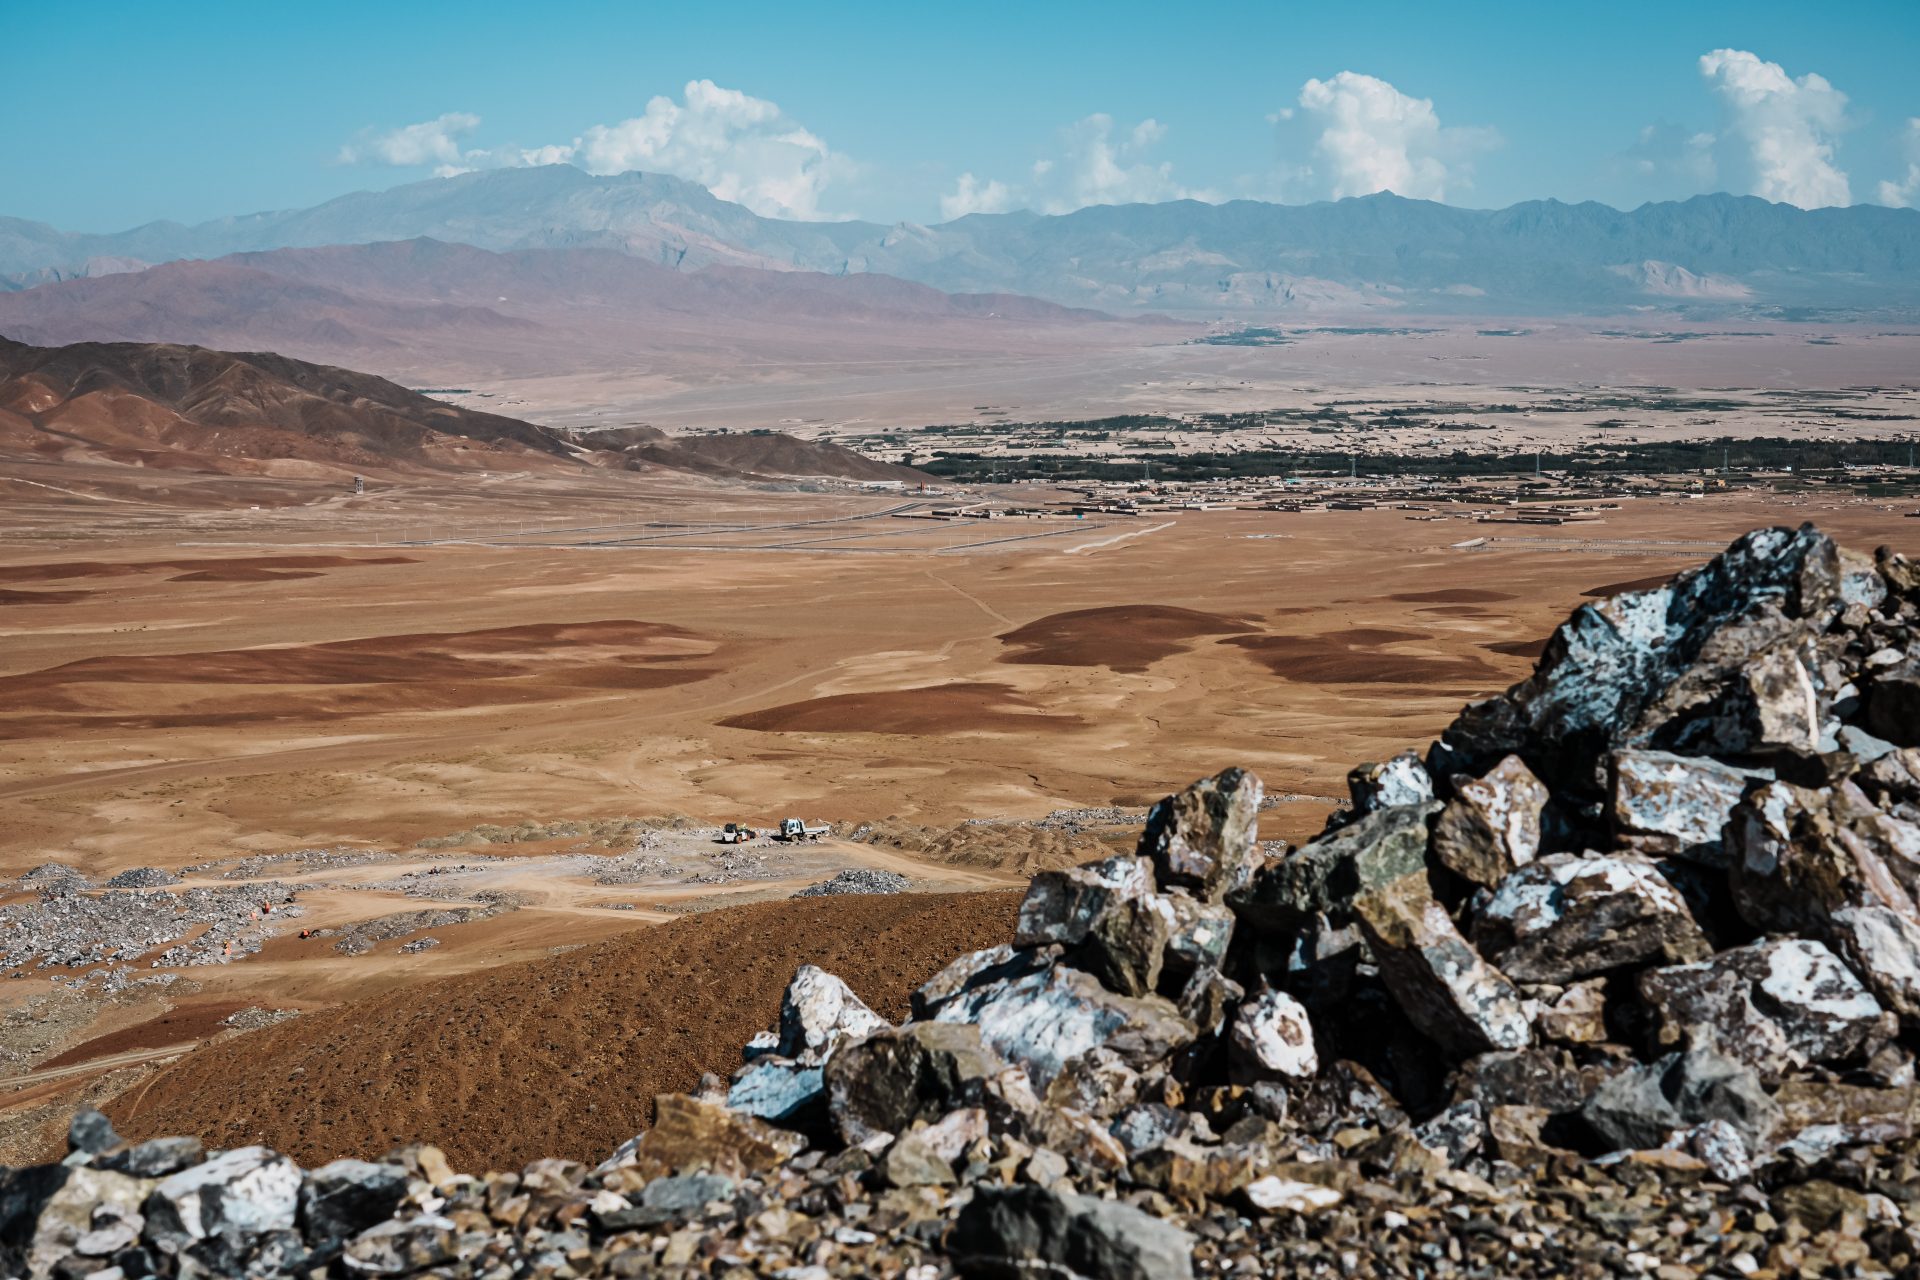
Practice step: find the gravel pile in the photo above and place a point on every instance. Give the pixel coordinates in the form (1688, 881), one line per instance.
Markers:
(55, 877)
(256, 865)
(143, 878)
(1622, 978)
(858, 880)
(75, 930)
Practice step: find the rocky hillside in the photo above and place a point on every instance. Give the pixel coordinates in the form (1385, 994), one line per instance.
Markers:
(1620, 977)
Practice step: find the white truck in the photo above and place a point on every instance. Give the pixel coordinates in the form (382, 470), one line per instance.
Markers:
(793, 829)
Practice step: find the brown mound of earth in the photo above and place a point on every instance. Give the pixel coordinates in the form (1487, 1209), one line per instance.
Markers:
(177, 1026)
(1001, 846)
(1128, 637)
(41, 597)
(1453, 595)
(928, 710)
(1357, 657)
(62, 570)
(559, 1057)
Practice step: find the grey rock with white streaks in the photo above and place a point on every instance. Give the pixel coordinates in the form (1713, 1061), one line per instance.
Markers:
(1322, 879)
(1662, 803)
(818, 1012)
(1203, 839)
(1492, 823)
(239, 1195)
(1774, 1005)
(1569, 916)
(1272, 1038)
(1442, 984)
(1024, 1231)
(1882, 946)
(1642, 1106)
(341, 1199)
(1044, 1020)
(1389, 784)
(1064, 906)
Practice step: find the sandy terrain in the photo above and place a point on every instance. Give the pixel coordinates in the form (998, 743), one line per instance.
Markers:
(196, 673)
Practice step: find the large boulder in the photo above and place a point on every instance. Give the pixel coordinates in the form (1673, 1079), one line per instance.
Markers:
(818, 1012)
(1390, 784)
(1203, 839)
(1042, 1021)
(1644, 1105)
(1800, 854)
(1568, 917)
(1321, 879)
(1064, 906)
(1774, 1005)
(921, 1072)
(1665, 804)
(340, 1200)
(1440, 982)
(1492, 823)
(236, 1196)
(1018, 1233)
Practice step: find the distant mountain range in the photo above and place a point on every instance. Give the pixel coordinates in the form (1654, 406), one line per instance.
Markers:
(1719, 253)
(184, 408)
(426, 309)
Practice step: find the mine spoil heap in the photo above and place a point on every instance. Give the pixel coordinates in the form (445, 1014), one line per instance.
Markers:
(1621, 978)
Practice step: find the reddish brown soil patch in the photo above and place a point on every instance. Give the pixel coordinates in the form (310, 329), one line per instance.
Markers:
(930, 710)
(180, 1026)
(1128, 637)
(346, 678)
(121, 569)
(1613, 589)
(559, 1057)
(1356, 657)
(1519, 648)
(42, 597)
(245, 573)
(1453, 595)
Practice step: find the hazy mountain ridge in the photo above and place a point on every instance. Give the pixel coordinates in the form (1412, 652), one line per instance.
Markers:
(1375, 251)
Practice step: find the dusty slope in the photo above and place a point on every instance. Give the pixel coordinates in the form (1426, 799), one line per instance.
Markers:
(560, 1057)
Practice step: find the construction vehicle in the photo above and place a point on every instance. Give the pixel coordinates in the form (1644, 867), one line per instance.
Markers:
(793, 829)
(737, 833)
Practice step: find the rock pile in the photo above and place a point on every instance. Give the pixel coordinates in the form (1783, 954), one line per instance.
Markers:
(858, 880)
(1621, 977)
(73, 928)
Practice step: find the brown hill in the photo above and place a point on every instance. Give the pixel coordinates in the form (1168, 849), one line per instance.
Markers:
(168, 406)
(745, 455)
(424, 309)
(560, 1057)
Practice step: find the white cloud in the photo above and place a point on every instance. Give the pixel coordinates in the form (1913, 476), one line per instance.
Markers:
(970, 195)
(431, 142)
(740, 147)
(1904, 193)
(1376, 138)
(1789, 127)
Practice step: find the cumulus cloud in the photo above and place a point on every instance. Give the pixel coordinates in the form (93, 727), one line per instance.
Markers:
(1375, 138)
(1906, 192)
(431, 142)
(1097, 162)
(970, 195)
(740, 147)
(1789, 127)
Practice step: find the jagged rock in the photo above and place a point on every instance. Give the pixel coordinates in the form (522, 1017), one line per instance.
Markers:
(1577, 1015)
(922, 1071)
(91, 1132)
(153, 1159)
(1126, 947)
(668, 1200)
(1203, 839)
(1272, 1037)
(912, 1162)
(1043, 1020)
(1146, 1125)
(1893, 778)
(691, 1136)
(1893, 704)
(1063, 906)
(1642, 1106)
(240, 1195)
(1322, 879)
(977, 968)
(1459, 1132)
(1394, 783)
(1664, 804)
(1540, 1077)
(1773, 1005)
(87, 1201)
(344, 1198)
(1201, 934)
(1801, 854)
(1193, 1174)
(1275, 1194)
(1207, 998)
(1439, 981)
(1570, 916)
(1012, 1233)
(777, 1089)
(1099, 1084)
(1882, 946)
(818, 1012)
(1492, 823)
(1644, 668)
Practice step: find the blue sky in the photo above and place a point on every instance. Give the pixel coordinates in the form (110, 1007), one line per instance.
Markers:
(113, 115)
